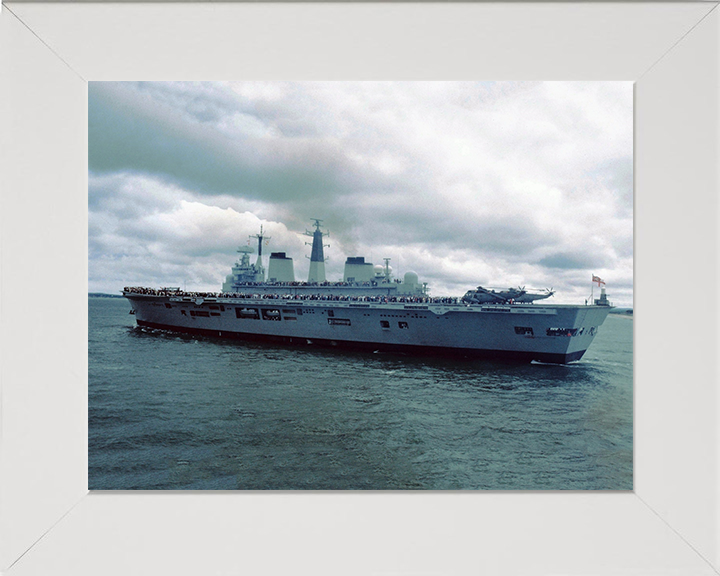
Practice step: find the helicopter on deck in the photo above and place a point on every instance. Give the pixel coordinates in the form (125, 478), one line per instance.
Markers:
(511, 295)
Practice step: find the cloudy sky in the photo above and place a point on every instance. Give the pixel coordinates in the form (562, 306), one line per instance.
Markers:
(493, 183)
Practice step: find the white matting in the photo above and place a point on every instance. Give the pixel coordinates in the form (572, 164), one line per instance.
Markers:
(49, 524)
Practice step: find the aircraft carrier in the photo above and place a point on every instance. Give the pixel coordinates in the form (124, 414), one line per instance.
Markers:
(369, 310)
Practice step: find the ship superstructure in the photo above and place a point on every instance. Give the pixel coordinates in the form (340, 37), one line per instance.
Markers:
(244, 273)
(360, 278)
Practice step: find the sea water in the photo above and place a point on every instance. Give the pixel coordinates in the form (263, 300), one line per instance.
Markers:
(176, 412)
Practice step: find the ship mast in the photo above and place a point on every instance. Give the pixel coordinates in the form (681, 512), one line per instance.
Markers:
(387, 269)
(317, 258)
(258, 263)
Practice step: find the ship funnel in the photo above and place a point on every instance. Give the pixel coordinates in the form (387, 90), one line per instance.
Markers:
(280, 268)
(357, 270)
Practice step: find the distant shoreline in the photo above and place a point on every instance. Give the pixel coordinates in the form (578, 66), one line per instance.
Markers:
(103, 295)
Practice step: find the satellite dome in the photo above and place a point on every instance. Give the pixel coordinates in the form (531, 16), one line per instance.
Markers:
(410, 278)
(379, 270)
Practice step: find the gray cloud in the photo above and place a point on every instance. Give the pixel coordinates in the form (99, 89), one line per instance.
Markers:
(566, 261)
(205, 102)
(130, 133)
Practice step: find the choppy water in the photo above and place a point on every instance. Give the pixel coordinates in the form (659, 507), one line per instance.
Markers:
(170, 411)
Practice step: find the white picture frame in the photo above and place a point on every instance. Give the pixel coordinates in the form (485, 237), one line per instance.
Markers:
(669, 524)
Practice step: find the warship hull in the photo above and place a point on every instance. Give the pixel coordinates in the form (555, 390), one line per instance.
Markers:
(515, 332)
